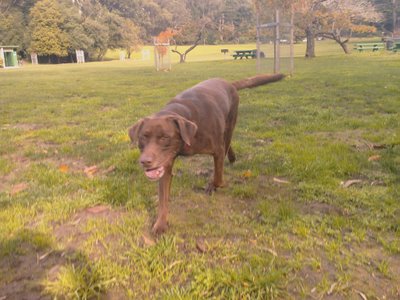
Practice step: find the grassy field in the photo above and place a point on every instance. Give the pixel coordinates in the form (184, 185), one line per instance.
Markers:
(311, 210)
(213, 52)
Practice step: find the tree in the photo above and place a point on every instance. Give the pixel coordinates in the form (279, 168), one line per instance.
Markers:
(12, 28)
(47, 37)
(190, 33)
(339, 19)
(130, 37)
(77, 36)
(334, 19)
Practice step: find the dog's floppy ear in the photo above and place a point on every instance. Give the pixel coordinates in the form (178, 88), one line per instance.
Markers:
(134, 130)
(187, 129)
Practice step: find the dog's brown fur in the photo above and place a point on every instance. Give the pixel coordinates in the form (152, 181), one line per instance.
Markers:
(199, 120)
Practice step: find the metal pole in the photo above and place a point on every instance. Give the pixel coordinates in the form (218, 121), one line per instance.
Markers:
(258, 43)
(292, 40)
(277, 52)
(394, 17)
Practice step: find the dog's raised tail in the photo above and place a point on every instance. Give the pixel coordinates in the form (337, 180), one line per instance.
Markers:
(257, 80)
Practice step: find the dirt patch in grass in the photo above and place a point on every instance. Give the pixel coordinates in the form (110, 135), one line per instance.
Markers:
(24, 126)
(24, 273)
(72, 234)
(353, 138)
(26, 270)
(316, 208)
(20, 165)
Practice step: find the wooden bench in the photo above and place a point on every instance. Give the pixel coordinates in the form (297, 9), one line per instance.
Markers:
(245, 53)
(369, 46)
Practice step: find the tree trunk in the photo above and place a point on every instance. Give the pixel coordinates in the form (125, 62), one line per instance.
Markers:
(344, 46)
(310, 50)
(183, 55)
(182, 58)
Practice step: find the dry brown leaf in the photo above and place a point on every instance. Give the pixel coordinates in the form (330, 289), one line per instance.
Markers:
(63, 168)
(247, 174)
(273, 252)
(20, 187)
(90, 171)
(201, 246)
(278, 180)
(253, 242)
(148, 241)
(362, 295)
(374, 157)
(98, 209)
(348, 183)
(110, 170)
(332, 288)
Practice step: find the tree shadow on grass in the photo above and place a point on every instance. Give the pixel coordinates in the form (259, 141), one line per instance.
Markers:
(31, 269)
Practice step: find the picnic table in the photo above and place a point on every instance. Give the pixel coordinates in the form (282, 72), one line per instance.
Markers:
(395, 47)
(245, 53)
(369, 46)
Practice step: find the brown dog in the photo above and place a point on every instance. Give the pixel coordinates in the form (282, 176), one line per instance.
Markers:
(199, 120)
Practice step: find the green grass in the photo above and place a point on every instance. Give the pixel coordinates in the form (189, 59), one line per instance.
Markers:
(285, 227)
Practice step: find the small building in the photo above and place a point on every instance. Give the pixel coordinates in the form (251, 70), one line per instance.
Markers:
(8, 57)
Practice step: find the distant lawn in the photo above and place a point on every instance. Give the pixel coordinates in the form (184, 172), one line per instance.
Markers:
(213, 52)
(311, 210)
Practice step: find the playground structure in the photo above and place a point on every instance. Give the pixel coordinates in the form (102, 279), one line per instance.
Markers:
(162, 53)
(277, 24)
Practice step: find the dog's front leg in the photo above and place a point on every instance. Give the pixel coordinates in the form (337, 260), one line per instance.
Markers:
(217, 180)
(164, 187)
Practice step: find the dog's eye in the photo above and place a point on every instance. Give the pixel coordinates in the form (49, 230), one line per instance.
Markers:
(164, 140)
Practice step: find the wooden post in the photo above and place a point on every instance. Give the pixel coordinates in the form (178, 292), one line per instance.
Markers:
(258, 43)
(277, 52)
(292, 40)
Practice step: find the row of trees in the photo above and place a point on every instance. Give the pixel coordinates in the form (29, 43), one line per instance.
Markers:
(55, 28)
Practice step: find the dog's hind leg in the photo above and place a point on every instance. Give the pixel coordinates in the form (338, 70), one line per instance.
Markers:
(231, 155)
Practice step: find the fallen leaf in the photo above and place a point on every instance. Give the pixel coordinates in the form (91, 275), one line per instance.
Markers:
(362, 295)
(277, 180)
(40, 258)
(331, 289)
(348, 183)
(374, 157)
(63, 168)
(273, 252)
(20, 187)
(110, 170)
(379, 146)
(247, 174)
(200, 245)
(148, 241)
(98, 209)
(253, 242)
(90, 171)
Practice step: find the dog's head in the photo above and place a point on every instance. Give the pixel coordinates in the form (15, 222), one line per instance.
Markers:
(160, 139)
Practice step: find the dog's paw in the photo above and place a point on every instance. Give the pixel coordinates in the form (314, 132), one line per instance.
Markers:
(210, 188)
(159, 227)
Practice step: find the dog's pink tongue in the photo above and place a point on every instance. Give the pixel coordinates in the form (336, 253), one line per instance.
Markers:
(155, 174)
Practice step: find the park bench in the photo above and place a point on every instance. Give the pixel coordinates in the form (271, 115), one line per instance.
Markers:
(245, 53)
(395, 47)
(369, 46)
